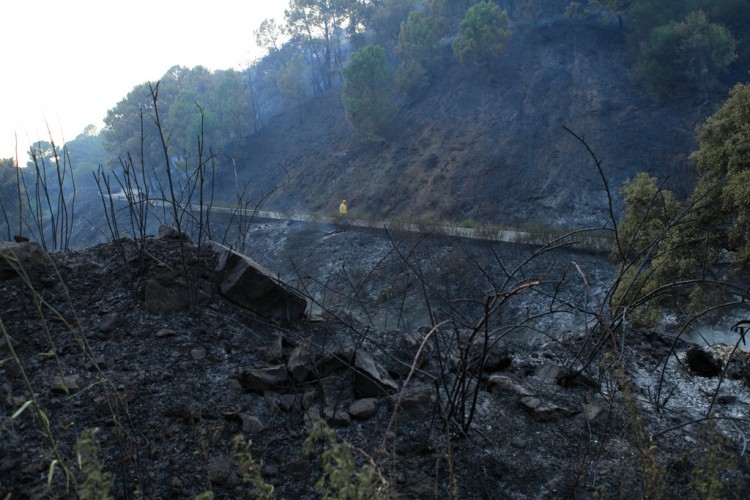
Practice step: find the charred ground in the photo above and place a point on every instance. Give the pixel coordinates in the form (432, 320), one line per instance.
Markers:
(169, 390)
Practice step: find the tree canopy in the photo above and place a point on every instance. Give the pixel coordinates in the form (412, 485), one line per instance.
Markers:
(650, 210)
(723, 161)
(663, 242)
(482, 34)
(416, 46)
(291, 82)
(693, 51)
(367, 92)
(318, 23)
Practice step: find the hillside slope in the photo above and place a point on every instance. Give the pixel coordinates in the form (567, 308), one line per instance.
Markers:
(490, 148)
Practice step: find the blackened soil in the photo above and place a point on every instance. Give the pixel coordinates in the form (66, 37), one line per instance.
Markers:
(162, 390)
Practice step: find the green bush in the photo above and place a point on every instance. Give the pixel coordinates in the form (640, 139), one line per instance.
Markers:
(482, 34)
(342, 477)
(694, 51)
(416, 42)
(723, 189)
(367, 92)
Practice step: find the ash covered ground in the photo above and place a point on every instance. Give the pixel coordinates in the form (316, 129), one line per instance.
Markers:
(534, 402)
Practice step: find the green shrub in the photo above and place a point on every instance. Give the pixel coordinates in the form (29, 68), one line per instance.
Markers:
(342, 477)
(96, 483)
(694, 51)
(367, 92)
(482, 34)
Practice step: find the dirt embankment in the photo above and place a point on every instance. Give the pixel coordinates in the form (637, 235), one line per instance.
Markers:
(489, 146)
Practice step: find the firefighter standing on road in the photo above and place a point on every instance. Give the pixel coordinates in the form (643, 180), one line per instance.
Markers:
(342, 208)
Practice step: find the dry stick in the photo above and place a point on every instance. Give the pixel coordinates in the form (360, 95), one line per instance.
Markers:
(356, 297)
(69, 231)
(45, 188)
(456, 391)
(154, 97)
(36, 206)
(213, 193)
(201, 178)
(696, 421)
(102, 179)
(5, 216)
(62, 208)
(600, 309)
(425, 285)
(412, 369)
(362, 335)
(111, 217)
(18, 186)
(356, 288)
(606, 187)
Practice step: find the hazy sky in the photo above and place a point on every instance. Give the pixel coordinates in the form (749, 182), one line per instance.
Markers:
(66, 62)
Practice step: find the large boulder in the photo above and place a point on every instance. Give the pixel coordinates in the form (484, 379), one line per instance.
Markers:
(247, 284)
(370, 379)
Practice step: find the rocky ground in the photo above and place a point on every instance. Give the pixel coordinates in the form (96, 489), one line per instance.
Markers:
(109, 339)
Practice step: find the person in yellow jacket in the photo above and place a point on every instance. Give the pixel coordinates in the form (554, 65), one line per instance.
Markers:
(342, 208)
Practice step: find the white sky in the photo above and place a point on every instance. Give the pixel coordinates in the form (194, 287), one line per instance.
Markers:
(66, 62)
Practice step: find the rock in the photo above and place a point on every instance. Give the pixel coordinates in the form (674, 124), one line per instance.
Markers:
(498, 384)
(592, 411)
(518, 442)
(260, 379)
(248, 284)
(274, 351)
(251, 424)
(419, 487)
(338, 418)
(416, 402)
(270, 471)
(726, 399)
(290, 402)
(702, 362)
(166, 332)
(171, 233)
(23, 254)
(551, 373)
(542, 410)
(363, 408)
(308, 398)
(370, 379)
(497, 361)
(98, 363)
(66, 384)
(300, 364)
(161, 299)
(311, 415)
(337, 390)
(224, 472)
(329, 360)
(298, 468)
(109, 322)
